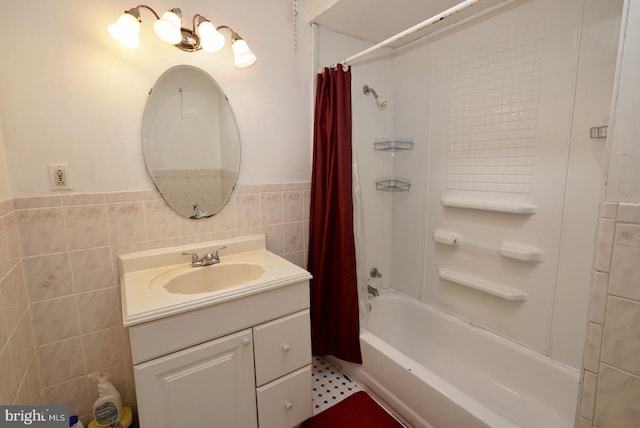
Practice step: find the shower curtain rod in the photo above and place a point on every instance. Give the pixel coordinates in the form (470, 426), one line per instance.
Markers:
(427, 22)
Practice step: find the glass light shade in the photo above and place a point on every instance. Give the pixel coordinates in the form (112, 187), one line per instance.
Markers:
(211, 39)
(126, 30)
(168, 28)
(243, 57)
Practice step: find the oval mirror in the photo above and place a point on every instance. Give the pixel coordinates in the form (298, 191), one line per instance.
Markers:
(191, 142)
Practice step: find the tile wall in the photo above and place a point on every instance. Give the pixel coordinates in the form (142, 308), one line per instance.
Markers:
(60, 288)
(611, 373)
(19, 379)
(493, 119)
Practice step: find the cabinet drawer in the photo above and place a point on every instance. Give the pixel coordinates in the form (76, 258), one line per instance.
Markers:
(287, 401)
(282, 346)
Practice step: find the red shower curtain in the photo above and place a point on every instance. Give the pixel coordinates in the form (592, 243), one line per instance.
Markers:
(332, 257)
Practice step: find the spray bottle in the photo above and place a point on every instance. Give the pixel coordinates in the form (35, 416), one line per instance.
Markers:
(107, 409)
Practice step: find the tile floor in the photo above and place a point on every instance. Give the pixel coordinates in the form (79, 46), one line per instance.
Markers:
(330, 385)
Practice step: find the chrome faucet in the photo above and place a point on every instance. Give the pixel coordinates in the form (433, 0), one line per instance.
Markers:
(373, 274)
(208, 259)
(372, 290)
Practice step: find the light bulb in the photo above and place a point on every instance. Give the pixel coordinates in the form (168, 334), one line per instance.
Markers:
(211, 39)
(126, 30)
(168, 28)
(243, 57)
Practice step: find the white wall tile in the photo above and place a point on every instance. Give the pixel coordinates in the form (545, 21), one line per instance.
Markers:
(72, 393)
(584, 423)
(625, 272)
(48, 276)
(248, 210)
(629, 213)
(92, 269)
(102, 349)
(271, 211)
(126, 222)
(620, 344)
(61, 361)
(593, 347)
(598, 298)
(98, 309)
(86, 226)
(627, 234)
(55, 319)
(604, 244)
(608, 209)
(588, 400)
(42, 231)
(617, 399)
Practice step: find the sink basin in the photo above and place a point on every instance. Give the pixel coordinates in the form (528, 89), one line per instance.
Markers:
(159, 283)
(194, 280)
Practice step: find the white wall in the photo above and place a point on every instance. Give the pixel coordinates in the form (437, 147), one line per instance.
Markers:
(73, 95)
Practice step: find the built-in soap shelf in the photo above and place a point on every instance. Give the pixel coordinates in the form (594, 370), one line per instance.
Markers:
(510, 250)
(393, 145)
(501, 207)
(497, 290)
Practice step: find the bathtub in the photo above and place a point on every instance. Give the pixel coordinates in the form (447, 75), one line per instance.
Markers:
(434, 370)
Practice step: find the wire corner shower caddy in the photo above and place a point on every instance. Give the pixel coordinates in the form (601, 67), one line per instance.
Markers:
(393, 184)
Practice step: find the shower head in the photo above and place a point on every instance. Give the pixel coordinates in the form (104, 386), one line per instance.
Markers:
(380, 101)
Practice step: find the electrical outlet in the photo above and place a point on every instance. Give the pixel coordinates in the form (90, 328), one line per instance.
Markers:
(59, 177)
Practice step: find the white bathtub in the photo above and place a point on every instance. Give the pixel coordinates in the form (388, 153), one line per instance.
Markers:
(436, 370)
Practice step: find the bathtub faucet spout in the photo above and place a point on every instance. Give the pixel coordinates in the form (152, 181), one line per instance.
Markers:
(372, 290)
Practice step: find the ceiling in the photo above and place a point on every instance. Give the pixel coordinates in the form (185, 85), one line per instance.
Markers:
(377, 20)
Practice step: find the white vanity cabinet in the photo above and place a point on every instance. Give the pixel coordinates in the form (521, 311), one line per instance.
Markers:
(244, 363)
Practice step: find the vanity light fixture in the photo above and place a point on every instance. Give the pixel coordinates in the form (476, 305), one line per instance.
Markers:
(203, 34)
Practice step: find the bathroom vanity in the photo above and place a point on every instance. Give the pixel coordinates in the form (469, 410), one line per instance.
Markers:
(230, 350)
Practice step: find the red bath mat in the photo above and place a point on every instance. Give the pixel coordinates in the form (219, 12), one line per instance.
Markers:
(356, 411)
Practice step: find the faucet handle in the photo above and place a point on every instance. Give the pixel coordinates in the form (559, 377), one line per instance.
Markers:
(212, 257)
(375, 273)
(215, 252)
(194, 257)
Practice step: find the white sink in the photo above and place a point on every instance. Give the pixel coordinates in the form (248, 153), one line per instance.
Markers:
(161, 282)
(205, 279)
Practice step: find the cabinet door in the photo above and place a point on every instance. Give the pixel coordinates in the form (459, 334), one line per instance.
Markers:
(211, 384)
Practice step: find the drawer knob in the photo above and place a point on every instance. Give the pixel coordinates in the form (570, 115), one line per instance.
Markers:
(246, 341)
(286, 348)
(288, 406)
